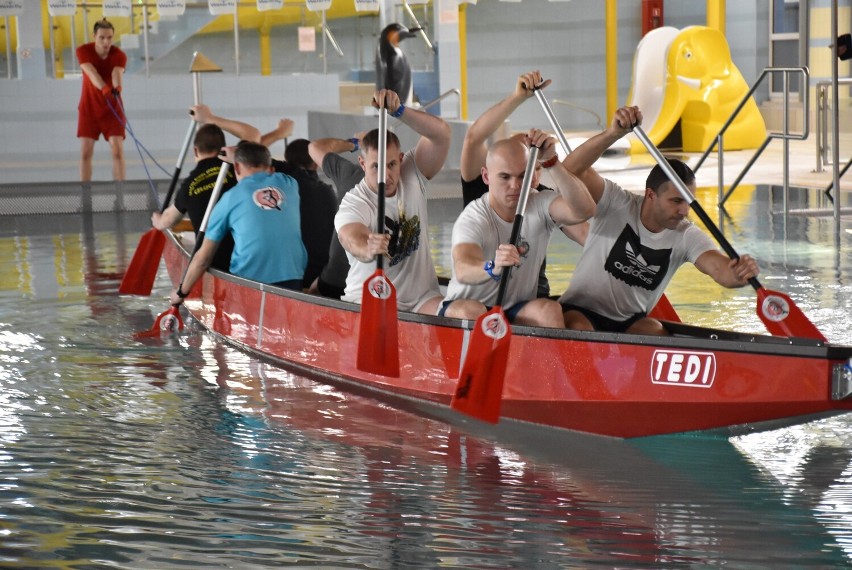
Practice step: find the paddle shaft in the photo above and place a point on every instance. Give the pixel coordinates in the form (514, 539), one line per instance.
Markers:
(214, 197)
(693, 203)
(181, 157)
(520, 210)
(382, 178)
(552, 119)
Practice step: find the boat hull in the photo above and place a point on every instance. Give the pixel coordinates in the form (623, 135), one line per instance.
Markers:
(600, 383)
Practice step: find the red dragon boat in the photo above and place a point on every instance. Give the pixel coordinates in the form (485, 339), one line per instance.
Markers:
(609, 384)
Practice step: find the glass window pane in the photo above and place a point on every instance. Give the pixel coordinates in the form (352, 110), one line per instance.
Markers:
(785, 53)
(785, 18)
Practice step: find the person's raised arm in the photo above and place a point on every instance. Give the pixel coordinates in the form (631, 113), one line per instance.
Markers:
(726, 271)
(579, 162)
(318, 148)
(574, 204)
(434, 144)
(281, 132)
(243, 131)
(475, 146)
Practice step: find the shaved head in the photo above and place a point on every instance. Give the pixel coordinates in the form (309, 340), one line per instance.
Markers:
(505, 149)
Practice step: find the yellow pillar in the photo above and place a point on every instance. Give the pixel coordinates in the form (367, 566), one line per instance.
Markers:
(265, 47)
(611, 58)
(716, 15)
(463, 58)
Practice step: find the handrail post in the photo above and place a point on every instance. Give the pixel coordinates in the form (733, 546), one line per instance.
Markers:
(785, 144)
(720, 167)
(237, 39)
(73, 42)
(8, 49)
(145, 39)
(52, 47)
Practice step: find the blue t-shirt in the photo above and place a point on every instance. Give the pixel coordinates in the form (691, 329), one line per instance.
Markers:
(262, 213)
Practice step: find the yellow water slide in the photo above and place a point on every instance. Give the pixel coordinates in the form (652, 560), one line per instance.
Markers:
(686, 79)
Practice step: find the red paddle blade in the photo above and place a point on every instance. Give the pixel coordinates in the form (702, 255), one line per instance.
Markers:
(479, 392)
(782, 317)
(664, 311)
(378, 336)
(140, 275)
(167, 322)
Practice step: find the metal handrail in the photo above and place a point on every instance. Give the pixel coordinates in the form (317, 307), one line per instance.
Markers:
(441, 97)
(822, 121)
(786, 136)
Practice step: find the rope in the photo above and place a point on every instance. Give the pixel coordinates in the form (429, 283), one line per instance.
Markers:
(139, 146)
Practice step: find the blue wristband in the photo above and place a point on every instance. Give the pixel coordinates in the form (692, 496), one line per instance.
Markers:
(398, 113)
(354, 141)
(489, 269)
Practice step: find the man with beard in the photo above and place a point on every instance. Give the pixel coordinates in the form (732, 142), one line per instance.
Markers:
(636, 243)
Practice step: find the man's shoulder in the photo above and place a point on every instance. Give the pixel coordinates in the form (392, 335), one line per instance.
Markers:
(475, 213)
(86, 50)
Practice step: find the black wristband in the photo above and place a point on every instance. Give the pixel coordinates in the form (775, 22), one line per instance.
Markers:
(181, 294)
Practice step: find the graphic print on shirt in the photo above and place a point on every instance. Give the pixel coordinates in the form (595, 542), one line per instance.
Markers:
(405, 237)
(523, 248)
(635, 264)
(268, 198)
(206, 181)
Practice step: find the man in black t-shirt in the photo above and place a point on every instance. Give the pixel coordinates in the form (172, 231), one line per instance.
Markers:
(194, 194)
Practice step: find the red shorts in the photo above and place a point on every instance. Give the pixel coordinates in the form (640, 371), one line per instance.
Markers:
(103, 122)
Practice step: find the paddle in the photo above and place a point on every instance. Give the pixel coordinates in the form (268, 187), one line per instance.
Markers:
(479, 391)
(378, 337)
(778, 312)
(663, 310)
(169, 320)
(140, 274)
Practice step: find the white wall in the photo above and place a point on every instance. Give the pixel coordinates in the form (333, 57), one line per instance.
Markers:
(39, 117)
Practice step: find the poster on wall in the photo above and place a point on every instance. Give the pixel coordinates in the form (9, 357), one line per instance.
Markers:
(307, 38)
(264, 5)
(318, 5)
(220, 7)
(367, 5)
(61, 7)
(116, 8)
(171, 7)
(11, 7)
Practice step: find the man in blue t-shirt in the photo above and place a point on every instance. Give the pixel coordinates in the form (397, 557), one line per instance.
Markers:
(262, 214)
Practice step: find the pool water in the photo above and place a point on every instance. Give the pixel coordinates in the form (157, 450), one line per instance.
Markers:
(185, 453)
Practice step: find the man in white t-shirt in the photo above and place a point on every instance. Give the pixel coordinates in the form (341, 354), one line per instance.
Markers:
(481, 249)
(405, 241)
(636, 243)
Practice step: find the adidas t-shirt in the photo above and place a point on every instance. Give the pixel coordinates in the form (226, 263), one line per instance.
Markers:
(624, 268)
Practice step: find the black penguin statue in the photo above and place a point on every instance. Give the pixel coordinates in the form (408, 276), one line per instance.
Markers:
(392, 69)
